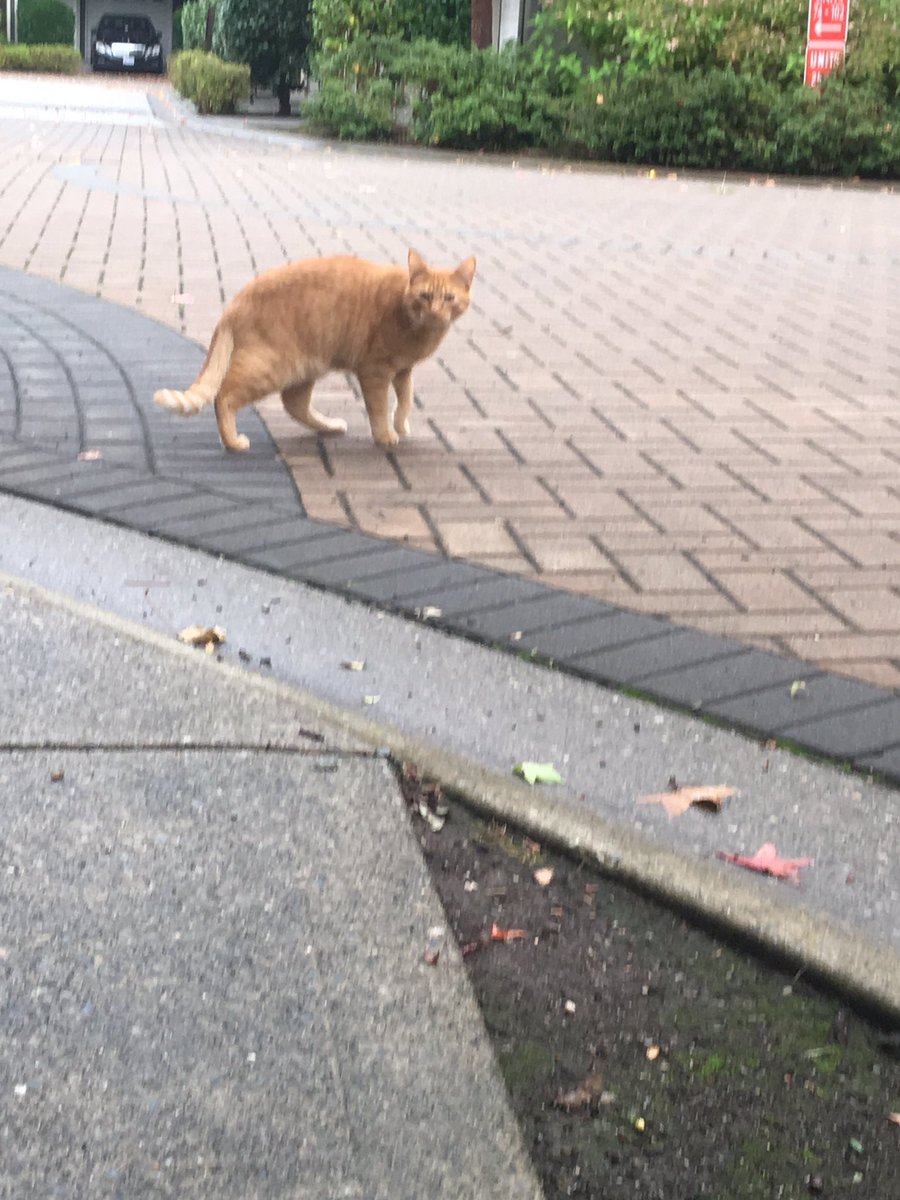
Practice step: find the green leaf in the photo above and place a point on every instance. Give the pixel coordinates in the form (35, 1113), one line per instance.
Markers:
(533, 772)
(856, 1146)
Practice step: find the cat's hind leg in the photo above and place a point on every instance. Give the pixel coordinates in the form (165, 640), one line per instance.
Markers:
(236, 393)
(297, 401)
(376, 395)
(404, 389)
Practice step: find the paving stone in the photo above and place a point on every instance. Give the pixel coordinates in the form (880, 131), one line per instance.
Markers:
(341, 572)
(774, 711)
(442, 579)
(487, 593)
(649, 661)
(546, 610)
(573, 642)
(284, 530)
(859, 732)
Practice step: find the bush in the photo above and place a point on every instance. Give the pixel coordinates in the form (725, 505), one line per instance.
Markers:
(56, 60)
(45, 23)
(364, 115)
(435, 94)
(723, 90)
(339, 22)
(213, 85)
(840, 129)
(193, 24)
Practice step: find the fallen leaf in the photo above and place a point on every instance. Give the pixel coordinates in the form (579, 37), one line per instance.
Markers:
(587, 1093)
(640, 1125)
(894, 1117)
(506, 935)
(470, 886)
(202, 635)
(434, 819)
(799, 685)
(543, 876)
(569, 1007)
(428, 612)
(431, 957)
(768, 862)
(57, 776)
(90, 455)
(681, 799)
(371, 699)
(354, 665)
(856, 1146)
(533, 772)
(652, 1053)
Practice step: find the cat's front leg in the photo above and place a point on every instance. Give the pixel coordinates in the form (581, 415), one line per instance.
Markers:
(375, 393)
(404, 389)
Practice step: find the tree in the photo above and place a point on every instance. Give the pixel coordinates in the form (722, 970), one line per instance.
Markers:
(482, 24)
(271, 36)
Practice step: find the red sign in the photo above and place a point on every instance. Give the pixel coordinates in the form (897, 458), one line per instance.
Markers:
(828, 20)
(826, 38)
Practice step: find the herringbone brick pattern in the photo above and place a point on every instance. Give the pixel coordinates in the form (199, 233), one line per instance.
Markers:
(677, 395)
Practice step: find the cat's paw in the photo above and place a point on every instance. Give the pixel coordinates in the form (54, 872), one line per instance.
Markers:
(402, 428)
(240, 443)
(388, 438)
(336, 425)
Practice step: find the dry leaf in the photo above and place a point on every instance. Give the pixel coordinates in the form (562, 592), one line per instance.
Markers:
(652, 1053)
(768, 862)
(431, 957)
(354, 665)
(90, 455)
(679, 801)
(585, 1094)
(428, 612)
(543, 876)
(371, 699)
(895, 1117)
(506, 935)
(202, 635)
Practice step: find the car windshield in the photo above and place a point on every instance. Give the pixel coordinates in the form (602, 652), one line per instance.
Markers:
(136, 30)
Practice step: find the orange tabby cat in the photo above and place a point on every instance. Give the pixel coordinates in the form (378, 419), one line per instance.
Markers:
(295, 323)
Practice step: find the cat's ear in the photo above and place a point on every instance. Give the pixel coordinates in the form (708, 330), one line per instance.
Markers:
(417, 264)
(466, 271)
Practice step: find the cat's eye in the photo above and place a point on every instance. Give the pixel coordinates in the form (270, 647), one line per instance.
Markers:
(449, 297)
(429, 296)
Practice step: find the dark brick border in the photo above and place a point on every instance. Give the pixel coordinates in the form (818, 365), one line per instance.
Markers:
(160, 476)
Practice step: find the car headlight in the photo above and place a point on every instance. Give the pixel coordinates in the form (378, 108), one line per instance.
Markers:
(102, 48)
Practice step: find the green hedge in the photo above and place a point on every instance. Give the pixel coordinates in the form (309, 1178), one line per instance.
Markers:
(213, 85)
(720, 117)
(435, 94)
(45, 23)
(56, 60)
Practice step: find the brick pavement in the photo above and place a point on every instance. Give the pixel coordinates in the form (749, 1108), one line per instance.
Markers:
(679, 396)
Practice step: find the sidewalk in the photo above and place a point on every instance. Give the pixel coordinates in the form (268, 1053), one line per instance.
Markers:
(214, 924)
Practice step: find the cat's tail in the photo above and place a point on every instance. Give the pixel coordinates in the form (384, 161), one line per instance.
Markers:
(206, 386)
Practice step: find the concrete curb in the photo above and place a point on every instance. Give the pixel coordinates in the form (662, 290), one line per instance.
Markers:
(865, 970)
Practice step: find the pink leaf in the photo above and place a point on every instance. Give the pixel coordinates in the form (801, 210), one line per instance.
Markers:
(768, 862)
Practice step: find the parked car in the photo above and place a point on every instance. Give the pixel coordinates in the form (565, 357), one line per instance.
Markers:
(126, 44)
